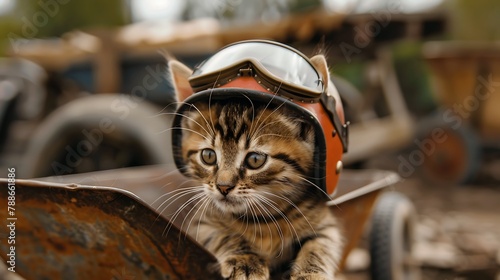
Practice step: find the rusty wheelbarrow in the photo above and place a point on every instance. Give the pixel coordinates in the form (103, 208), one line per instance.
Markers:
(79, 229)
(465, 132)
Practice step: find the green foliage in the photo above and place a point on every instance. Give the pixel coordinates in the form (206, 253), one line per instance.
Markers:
(7, 24)
(474, 20)
(298, 6)
(51, 18)
(352, 72)
(55, 17)
(413, 77)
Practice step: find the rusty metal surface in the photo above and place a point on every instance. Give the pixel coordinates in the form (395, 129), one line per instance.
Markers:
(352, 202)
(74, 229)
(78, 232)
(353, 215)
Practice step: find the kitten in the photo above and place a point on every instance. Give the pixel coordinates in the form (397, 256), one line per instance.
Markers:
(258, 212)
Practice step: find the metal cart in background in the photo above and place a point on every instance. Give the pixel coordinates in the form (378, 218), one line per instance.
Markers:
(466, 131)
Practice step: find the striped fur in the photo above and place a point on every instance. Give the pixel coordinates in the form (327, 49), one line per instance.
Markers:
(257, 221)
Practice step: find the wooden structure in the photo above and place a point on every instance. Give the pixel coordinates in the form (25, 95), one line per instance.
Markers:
(106, 48)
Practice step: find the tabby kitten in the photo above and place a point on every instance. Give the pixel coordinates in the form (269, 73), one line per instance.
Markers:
(258, 211)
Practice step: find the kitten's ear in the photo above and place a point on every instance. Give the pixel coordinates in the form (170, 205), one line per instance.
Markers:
(319, 62)
(179, 74)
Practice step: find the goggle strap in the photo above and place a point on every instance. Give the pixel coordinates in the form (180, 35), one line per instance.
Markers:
(329, 103)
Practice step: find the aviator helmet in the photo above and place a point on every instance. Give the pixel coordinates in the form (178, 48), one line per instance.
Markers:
(274, 73)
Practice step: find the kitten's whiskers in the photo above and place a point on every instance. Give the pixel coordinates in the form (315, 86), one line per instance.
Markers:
(205, 207)
(275, 207)
(211, 133)
(203, 202)
(187, 129)
(175, 194)
(316, 186)
(251, 205)
(181, 209)
(286, 199)
(166, 175)
(262, 123)
(210, 102)
(260, 201)
(212, 129)
(173, 216)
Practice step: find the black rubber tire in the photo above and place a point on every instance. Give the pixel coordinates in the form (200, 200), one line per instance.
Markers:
(352, 98)
(8, 101)
(391, 239)
(136, 130)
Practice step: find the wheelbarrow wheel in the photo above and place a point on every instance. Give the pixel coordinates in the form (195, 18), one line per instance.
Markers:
(452, 155)
(98, 132)
(391, 239)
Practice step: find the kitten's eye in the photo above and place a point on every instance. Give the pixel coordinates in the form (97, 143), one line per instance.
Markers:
(208, 156)
(255, 160)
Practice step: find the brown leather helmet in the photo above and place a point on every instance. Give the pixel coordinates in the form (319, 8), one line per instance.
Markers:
(273, 73)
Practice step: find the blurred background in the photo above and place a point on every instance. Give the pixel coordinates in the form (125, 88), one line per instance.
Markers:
(84, 85)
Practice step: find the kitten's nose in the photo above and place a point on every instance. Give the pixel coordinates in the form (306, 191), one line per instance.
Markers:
(224, 189)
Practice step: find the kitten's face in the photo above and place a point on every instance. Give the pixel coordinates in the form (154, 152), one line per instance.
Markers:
(249, 160)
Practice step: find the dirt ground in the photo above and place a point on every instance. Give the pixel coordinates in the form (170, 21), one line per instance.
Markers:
(461, 223)
(458, 228)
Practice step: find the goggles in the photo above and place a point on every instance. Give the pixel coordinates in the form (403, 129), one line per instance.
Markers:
(278, 68)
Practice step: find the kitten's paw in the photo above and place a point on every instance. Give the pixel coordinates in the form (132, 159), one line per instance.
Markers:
(245, 267)
(310, 276)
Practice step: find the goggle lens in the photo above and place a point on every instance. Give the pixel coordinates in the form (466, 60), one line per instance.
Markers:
(287, 65)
